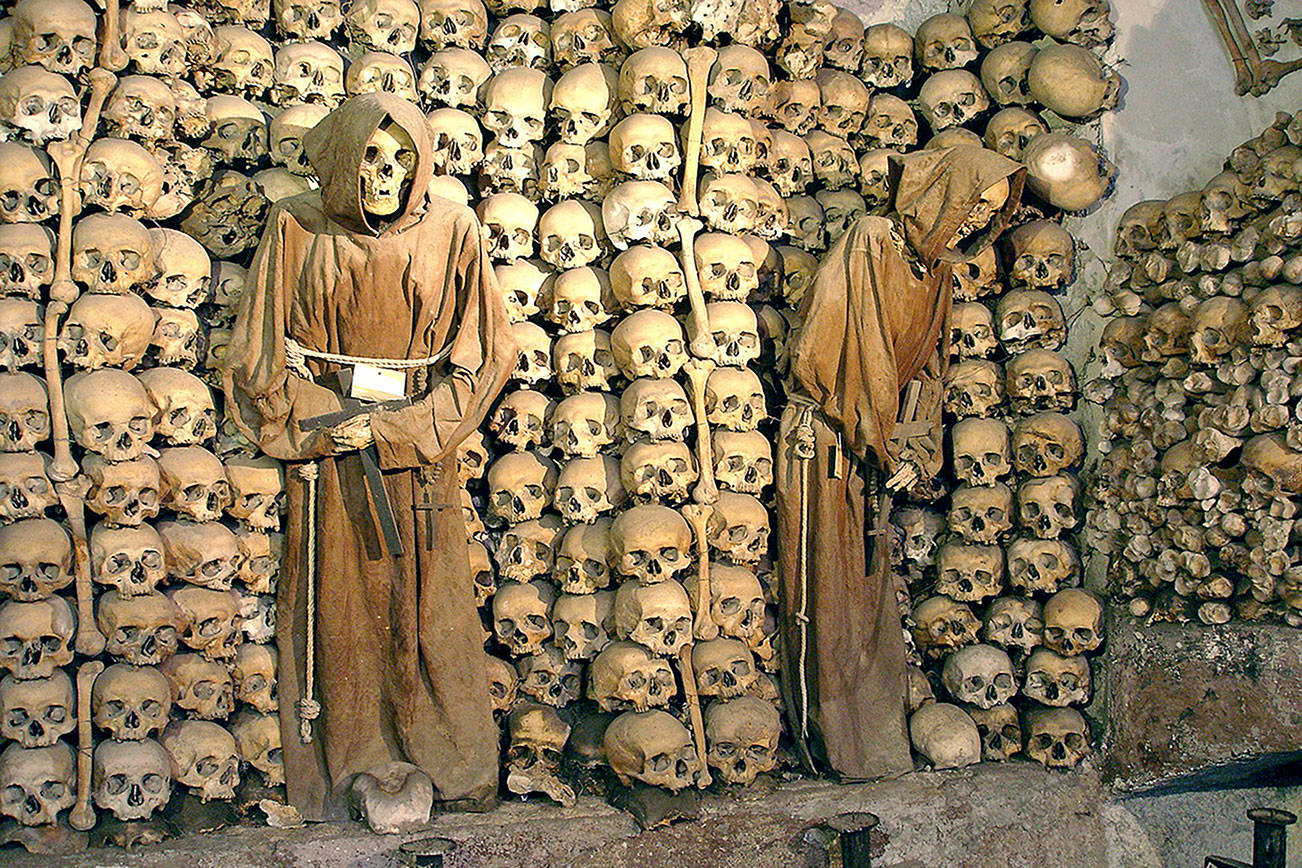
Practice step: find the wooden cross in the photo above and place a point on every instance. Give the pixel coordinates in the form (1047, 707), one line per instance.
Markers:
(907, 425)
(427, 503)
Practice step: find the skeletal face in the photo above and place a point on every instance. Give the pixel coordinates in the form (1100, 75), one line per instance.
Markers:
(1014, 623)
(742, 738)
(1066, 171)
(843, 103)
(242, 65)
(516, 101)
(657, 616)
(113, 254)
(213, 619)
(26, 259)
(582, 558)
(177, 339)
(980, 675)
(533, 760)
(37, 783)
(951, 98)
(25, 488)
(736, 603)
(521, 419)
(257, 737)
(583, 36)
(1047, 507)
(941, 625)
(381, 72)
(21, 331)
(650, 543)
(184, 269)
(657, 409)
(626, 675)
(582, 424)
(841, 208)
(645, 276)
(38, 105)
(1040, 380)
(734, 399)
(743, 461)
(588, 487)
(389, 25)
(1273, 314)
(522, 283)
(24, 412)
(995, 22)
(1073, 622)
(729, 203)
(1224, 204)
(1046, 444)
(658, 471)
(1081, 22)
(28, 190)
(945, 42)
(522, 616)
(387, 162)
(645, 147)
(945, 735)
(510, 170)
(37, 713)
(510, 221)
(844, 46)
(725, 668)
(35, 559)
(204, 758)
(795, 105)
(890, 123)
(203, 554)
(582, 625)
(651, 747)
(791, 168)
(1030, 319)
(1140, 229)
(184, 413)
(124, 492)
(739, 528)
(654, 79)
(452, 77)
(120, 175)
(520, 40)
(502, 684)
(1004, 73)
(549, 677)
(533, 354)
(307, 72)
(571, 235)
(1166, 333)
(1009, 130)
(835, 163)
(735, 332)
(920, 531)
(303, 20)
(740, 80)
(640, 211)
(1057, 681)
(585, 361)
(981, 451)
(36, 637)
(649, 343)
(1057, 737)
(563, 171)
(59, 35)
(458, 141)
(887, 56)
(970, 573)
(972, 331)
(521, 485)
(1042, 565)
(201, 687)
(1043, 255)
(1217, 326)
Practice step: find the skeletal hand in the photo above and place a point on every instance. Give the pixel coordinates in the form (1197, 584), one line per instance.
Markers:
(353, 434)
(903, 478)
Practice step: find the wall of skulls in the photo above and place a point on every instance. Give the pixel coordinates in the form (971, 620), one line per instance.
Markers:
(564, 127)
(1196, 496)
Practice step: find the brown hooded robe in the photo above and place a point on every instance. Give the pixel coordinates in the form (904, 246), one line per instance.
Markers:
(872, 321)
(399, 655)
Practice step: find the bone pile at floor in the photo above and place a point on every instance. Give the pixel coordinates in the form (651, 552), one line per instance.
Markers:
(149, 549)
(987, 563)
(1196, 497)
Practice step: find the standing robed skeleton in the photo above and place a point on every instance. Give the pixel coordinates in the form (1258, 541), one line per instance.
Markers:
(373, 269)
(874, 326)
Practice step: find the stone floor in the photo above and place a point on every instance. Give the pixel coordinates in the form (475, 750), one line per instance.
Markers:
(1014, 815)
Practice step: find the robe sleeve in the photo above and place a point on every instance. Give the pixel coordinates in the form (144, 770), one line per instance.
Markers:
(844, 358)
(263, 397)
(483, 353)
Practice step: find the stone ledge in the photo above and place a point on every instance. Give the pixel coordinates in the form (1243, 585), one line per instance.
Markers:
(1192, 707)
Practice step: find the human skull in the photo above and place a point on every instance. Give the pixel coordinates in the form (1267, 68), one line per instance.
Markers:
(307, 73)
(1073, 622)
(29, 192)
(588, 487)
(647, 277)
(1166, 333)
(1000, 729)
(392, 25)
(729, 203)
(213, 618)
(502, 684)
(184, 413)
(1225, 202)
(919, 531)
(654, 79)
(995, 22)
(109, 413)
(24, 412)
(26, 259)
(56, 34)
(739, 528)
(36, 637)
(142, 629)
(129, 559)
(734, 399)
(458, 141)
(521, 485)
(640, 211)
(835, 163)
(204, 758)
(743, 461)
(890, 123)
(120, 175)
(736, 602)
(1030, 319)
(533, 759)
(113, 254)
(453, 77)
(735, 332)
(1046, 444)
(645, 147)
(257, 737)
(657, 409)
(1274, 314)
(510, 221)
(258, 624)
(204, 554)
(582, 625)
(658, 471)
(1042, 565)
(945, 42)
(509, 170)
(1066, 171)
(1217, 326)
(39, 106)
(571, 235)
(651, 747)
(124, 492)
(951, 98)
(107, 330)
(1009, 130)
(519, 41)
(981, 451)
(253, 673)
(35, 559)
(740, 80)
(200, 687)
(969, 572)
(1040, 380)
(800, 53)
(549, 676)
(1057, 681)
(583, 102)
(742, 738)
(185, 270)
(844, 46)
(381, 72)
(242, 65)
(584, 423)
(649, 343)
(1014, 624)
(1043, 256)
(37, 783)
(585, 361)
(795, 105)
(515, 105)
(36, 713)
(1081, 22)
(887, 56)
(25, 487)
(521, 419)
(656, 616)
(582, 558)
(945, 735)
(1047, 507)
(1072, 82)
(522, 616)
(972, 331)
(650, 543)
(841, 209)
(301, 19)
(1005, 71)
(791, 167)
(941, 625)
(980, 675)
(1140, 229)
(625, 675)
(583, 36)
(1057, 737)
(724, 668)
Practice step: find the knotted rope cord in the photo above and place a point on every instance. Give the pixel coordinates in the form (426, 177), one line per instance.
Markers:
(308, 708)
(803, 453)
(296, 356)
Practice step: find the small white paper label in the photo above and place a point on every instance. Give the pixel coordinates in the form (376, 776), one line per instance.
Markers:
(371, 383)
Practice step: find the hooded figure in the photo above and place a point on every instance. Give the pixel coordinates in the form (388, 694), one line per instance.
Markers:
(873, 321)
(398, 650)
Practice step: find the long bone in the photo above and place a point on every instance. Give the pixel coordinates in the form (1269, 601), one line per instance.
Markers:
(67, 156)
(698, 516)
(698, 372)
(703, 344)
(703, 778)
(699, 62)
(82, 815)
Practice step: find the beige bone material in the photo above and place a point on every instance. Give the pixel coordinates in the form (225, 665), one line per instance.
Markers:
(698, 372)
(698, 516)
(82, 815)
(703, 778)
(702, 342)
(699, 62)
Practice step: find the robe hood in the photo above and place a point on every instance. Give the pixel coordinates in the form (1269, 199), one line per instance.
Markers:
(335, 147)
(935, 191)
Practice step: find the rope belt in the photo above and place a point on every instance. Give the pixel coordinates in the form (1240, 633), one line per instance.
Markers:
(803, 452)
(296, 356)
(308, 708)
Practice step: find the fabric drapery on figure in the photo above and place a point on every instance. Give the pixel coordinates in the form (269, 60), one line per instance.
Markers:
(399, 655)
(874, 319)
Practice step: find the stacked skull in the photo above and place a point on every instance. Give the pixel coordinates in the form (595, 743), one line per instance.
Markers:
(1194, 499)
